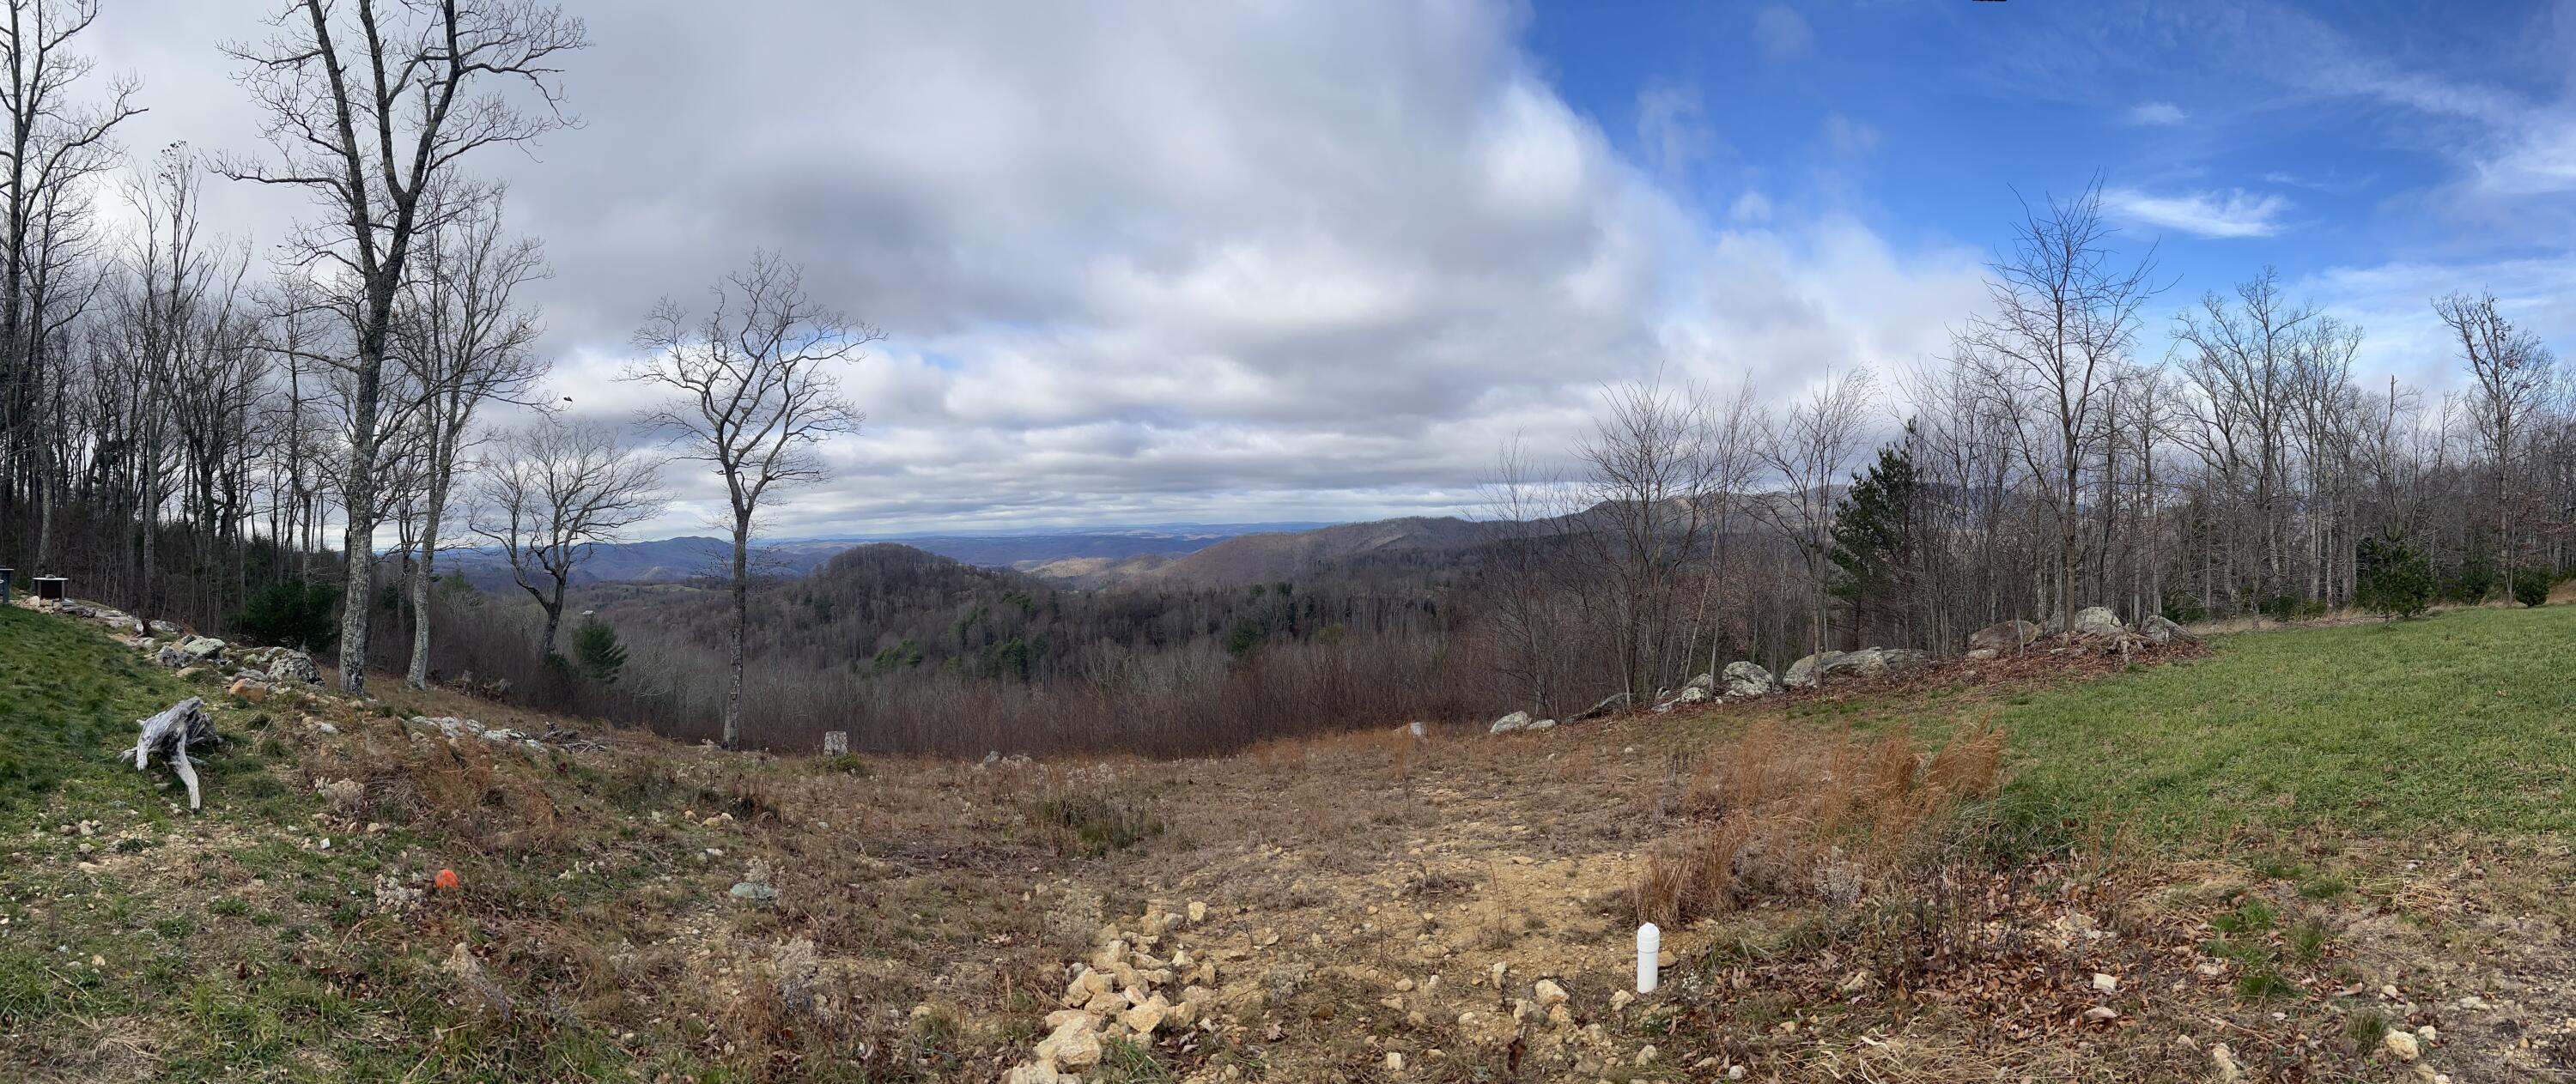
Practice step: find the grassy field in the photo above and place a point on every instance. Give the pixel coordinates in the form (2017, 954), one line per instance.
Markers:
(2464, 720)
(67, 698)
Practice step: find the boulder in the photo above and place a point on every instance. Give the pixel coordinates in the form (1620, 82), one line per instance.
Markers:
(2098, 621)
(1516, 721)
(1749, 679)
(1703, 682)
(1605, 706)
(247, 689)
(1980, 654)
(198, 649)
(2158, 629)
(294, 666)
(2003, 637)
(1694, 694)
(1871, 662)
(1804, 672)
(1543, 724)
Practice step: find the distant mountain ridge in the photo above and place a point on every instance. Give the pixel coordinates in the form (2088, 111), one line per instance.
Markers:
(669, 560)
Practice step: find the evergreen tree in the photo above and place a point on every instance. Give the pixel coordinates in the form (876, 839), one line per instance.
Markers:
(1876, 540)
(2395, 581)
(596, 650)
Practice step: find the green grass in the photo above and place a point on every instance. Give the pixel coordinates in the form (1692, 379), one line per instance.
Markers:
(69, 699)
(2457, 721)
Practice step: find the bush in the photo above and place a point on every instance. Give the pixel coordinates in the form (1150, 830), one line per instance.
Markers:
(291, 613)
(2395, 581)
(2530, 586)
(2475, 580)
(2182, 608)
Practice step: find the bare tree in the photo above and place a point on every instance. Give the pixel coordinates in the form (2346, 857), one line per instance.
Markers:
(756, 392)
(2062, 321)
(552, 491)
(1809, 445)
(369, 107)
(2510, 371)
(466, 339)
(53, 144)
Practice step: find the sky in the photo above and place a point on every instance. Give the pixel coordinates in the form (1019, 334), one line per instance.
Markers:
(1320, 259)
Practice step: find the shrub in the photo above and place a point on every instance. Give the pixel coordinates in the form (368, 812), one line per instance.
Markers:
(291, 613)
(2530, 586)
(2475, 580)
(2183, 609)
(2395, 581)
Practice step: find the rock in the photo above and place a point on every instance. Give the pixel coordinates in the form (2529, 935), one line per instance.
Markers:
(1394, 1062)
(1548, 993)
(1695, 694)
(2401, 1045)
(753, 891)
(1704, 683)
(1198, 911)
(2003, 637)
(836, 743)
(1416, 729)
(1607, 704)
(163, 630)
(344, 796)
(2098, 621)
(1803, 673)
(1744, 678)
(1072, 1046)
(2101, 1014)
(2222, 1061)
(2159, 629)
(1543, 724)
(1980, 654)
(250, 690)
(2105, 983)
(1870, 662)
(199, 649)
(1512, 723)
(1143, 1019)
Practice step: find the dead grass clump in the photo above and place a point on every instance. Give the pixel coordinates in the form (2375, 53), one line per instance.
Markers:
(1085, 822)
(1783, 813)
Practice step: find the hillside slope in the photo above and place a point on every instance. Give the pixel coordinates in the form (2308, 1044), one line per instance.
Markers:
(1264, 558)
(2191, 849)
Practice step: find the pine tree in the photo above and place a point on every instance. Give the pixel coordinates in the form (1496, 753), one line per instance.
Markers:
(595, 648)
(1875, 539)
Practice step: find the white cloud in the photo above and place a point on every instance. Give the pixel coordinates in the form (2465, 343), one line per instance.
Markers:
(2229, 213)
(1782, 31)
(1848, 137)
(2157, 114)
(1215, 262)
(1672, 127)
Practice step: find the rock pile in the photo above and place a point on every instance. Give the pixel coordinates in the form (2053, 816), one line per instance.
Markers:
(1121, 993)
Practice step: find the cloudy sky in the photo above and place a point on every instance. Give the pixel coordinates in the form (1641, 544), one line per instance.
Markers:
(1303, 259)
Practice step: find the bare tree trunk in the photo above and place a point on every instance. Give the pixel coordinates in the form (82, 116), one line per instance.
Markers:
(741, 628)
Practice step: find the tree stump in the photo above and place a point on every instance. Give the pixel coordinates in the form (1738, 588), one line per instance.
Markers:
(169, 735)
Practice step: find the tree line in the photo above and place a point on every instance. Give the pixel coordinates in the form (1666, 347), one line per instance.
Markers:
(187, 426)
(2074, 446)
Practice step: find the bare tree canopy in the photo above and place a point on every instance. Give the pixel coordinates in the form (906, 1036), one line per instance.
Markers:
(755, 387)
(552, 490)
(369, 108)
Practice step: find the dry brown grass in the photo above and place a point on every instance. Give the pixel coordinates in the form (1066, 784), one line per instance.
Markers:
(1785, 811)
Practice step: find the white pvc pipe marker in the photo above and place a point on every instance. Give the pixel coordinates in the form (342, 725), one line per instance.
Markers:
(1650, 946)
